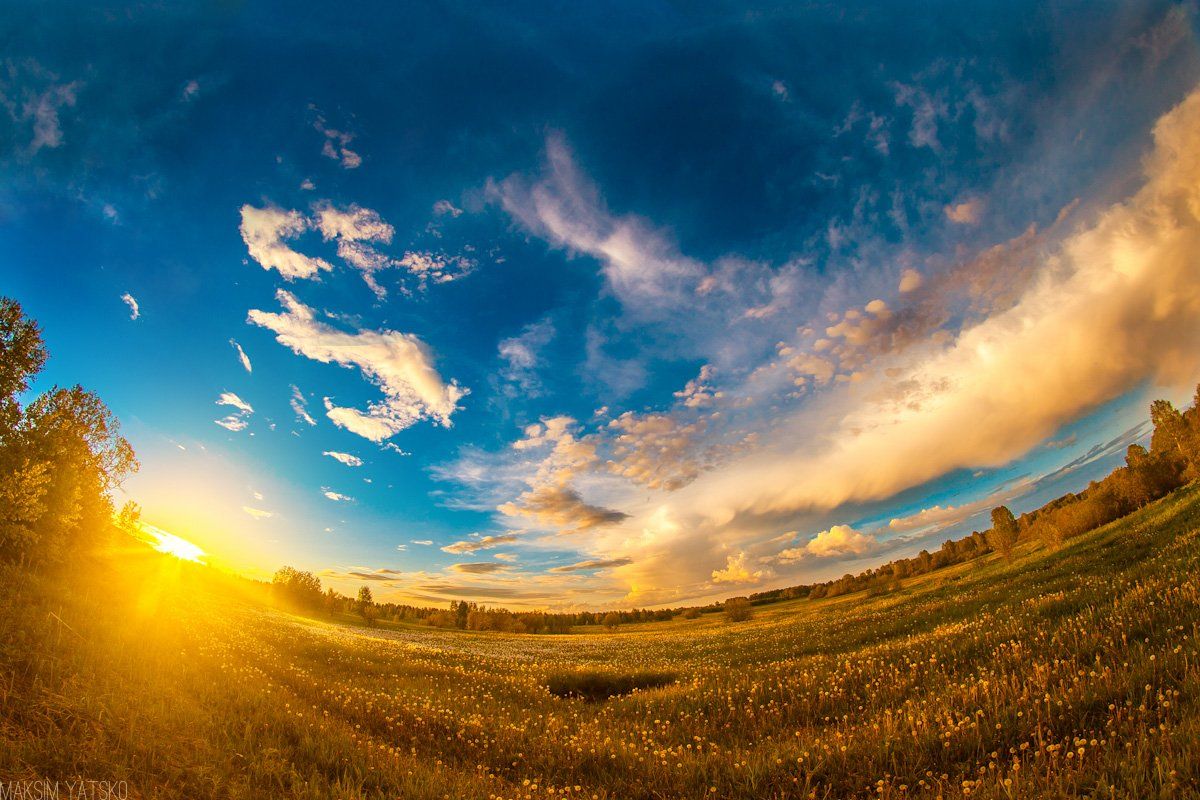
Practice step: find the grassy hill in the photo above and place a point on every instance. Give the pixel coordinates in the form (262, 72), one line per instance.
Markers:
(1068, 673)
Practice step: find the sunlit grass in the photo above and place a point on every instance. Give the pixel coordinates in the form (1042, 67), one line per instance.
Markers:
(1064, 674)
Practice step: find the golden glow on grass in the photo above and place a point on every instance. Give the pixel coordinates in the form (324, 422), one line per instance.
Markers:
(173, 545)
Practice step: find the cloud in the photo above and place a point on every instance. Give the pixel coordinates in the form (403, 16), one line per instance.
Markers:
(242, 357)
(444, 208)
(345, 458)
(423, 542)
(264, 230)
(522, 354)
(736, 571)
(479, 568)
(910, 281)
(593, 564)
(967, 212)
(356, 229)
(336, 497)
(482, 543)
(134, 309)
(642, 268)
(258, 513)
(400, 364)
(838, 541)
(560, 507)
(231, 399)
(42, 109)
(232, 423)
(236, 421)
(300, 406)
(336, 145)
(1113, 305)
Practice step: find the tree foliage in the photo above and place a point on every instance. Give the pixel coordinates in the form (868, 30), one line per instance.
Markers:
(61, 456)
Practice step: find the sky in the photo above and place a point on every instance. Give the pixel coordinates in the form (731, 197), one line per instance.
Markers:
(604, 305)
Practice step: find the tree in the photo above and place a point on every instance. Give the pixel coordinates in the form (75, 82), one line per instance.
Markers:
(296, 588)
(1003, 535)
(22, 355)
(366, 605)
(738, 609)
(611, 620)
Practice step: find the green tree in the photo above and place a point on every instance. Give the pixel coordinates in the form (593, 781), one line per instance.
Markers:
(611, 620)
(1003, 534)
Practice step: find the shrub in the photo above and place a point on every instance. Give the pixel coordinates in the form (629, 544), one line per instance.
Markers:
(738, 609)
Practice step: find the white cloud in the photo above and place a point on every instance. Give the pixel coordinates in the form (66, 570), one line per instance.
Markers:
(423, 542)
(336, 497)
(258, 513)
(736, 571)
(242, 357)
(345, 458)
(231, 399)
(134, 310)
(400, 364)
(643, 269)
(1115, 304)
(300, 406)
(838, 541)
(232, 423)
(264, 230)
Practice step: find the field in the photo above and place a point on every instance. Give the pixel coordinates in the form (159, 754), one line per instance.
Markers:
(1069, 673)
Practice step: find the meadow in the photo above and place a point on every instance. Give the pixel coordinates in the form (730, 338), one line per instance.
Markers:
(1070, 672)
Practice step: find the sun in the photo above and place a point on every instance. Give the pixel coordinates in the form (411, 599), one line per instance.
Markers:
(173, 545)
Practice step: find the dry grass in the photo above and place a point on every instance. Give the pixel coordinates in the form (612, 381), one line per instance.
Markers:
(1065, 674)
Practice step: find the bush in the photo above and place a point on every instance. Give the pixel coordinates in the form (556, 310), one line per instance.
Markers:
(738, 609)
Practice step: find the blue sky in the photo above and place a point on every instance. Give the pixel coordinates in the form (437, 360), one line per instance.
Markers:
(617, 304)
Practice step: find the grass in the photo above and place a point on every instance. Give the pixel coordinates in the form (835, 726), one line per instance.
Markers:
(1063, 674)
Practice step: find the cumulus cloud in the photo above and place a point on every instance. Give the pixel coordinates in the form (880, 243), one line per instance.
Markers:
(233, 423)
(242, 357)
(345, 458)
(593, 565)
(400, 364)
(1116, 303)
(336, 497)
(482, 543)
(736, 571)
(840, 540)
(134, 310)
(265, 231)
